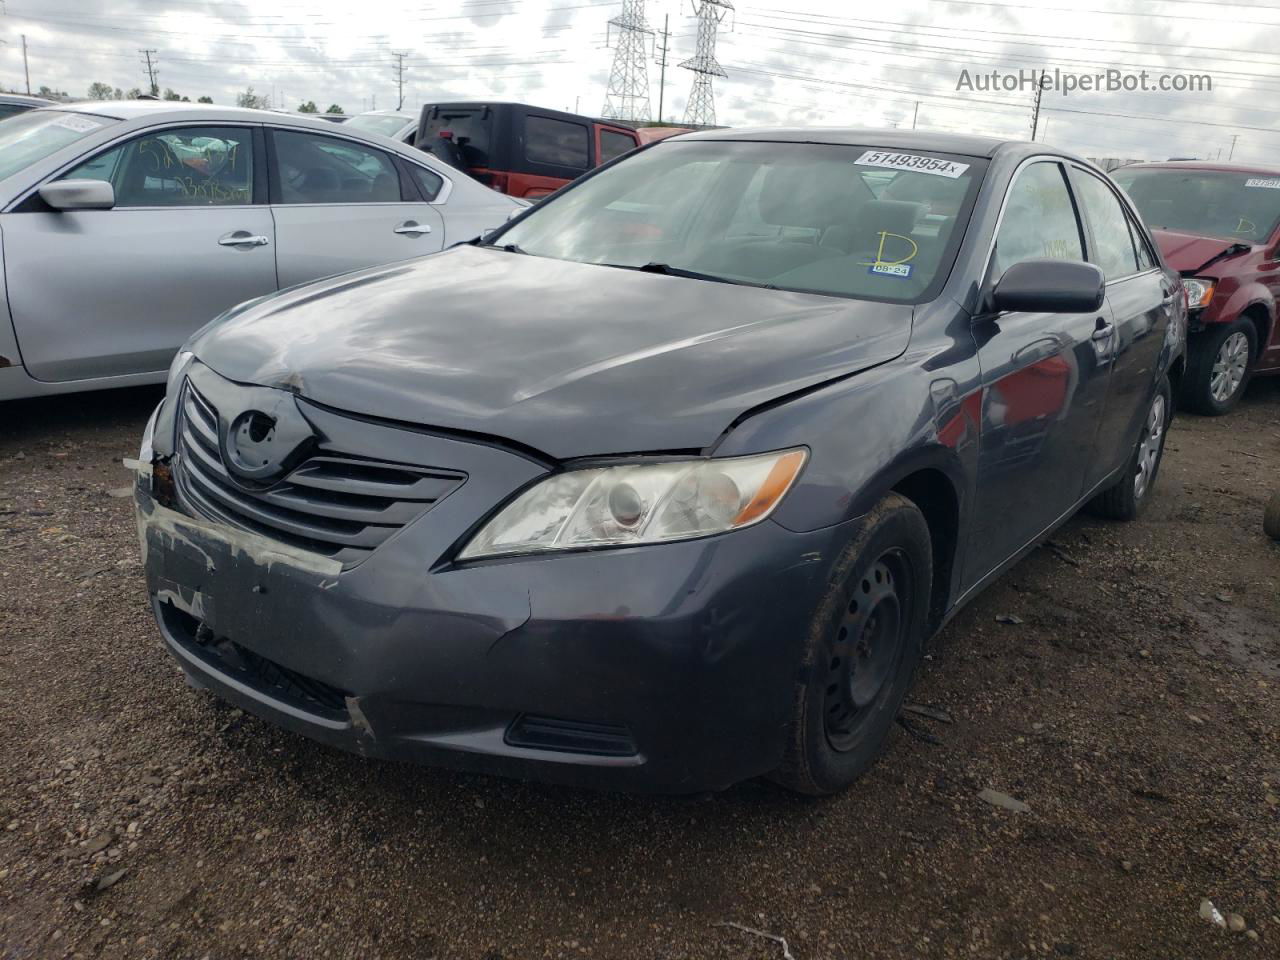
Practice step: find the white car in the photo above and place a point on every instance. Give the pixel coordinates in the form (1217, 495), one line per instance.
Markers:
(127, 225)
(395, 124)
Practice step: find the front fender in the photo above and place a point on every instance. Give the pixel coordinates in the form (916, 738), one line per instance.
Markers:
(1247, 295)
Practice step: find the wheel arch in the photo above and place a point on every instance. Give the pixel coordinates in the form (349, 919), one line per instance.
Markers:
(1262, 315)
(935, 495)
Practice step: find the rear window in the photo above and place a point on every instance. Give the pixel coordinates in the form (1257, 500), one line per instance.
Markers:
(556, 142)
(34, 135)
(1235, 205)
(471, 131)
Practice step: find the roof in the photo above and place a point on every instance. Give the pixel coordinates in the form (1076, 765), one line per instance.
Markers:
(133, 109)
(25, 99)
(1220, 166)
(858, 136)
(385, 113)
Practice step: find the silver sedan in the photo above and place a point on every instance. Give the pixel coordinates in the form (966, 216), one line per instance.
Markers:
(127, 225)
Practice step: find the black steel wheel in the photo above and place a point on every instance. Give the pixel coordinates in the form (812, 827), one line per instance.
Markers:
(860, 655)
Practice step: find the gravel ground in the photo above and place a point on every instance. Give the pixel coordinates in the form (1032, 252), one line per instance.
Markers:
(1133, 710)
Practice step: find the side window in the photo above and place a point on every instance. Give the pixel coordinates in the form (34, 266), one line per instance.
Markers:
(1039, 219)
(556, 142)
(314, 168)
(9, 109)
(430, 183)
(179, 167)
(1113, 243)
(614, 145)
(1145, 259)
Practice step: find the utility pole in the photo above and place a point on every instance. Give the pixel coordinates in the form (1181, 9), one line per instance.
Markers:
(1234, 138)
(700, 111)
(151, 71)
(915, 114)
(25, 69)
(1035, 110)
(399, 55)
(662, 64)
(627, 97)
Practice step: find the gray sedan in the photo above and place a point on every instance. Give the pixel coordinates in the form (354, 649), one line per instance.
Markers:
(127, 225)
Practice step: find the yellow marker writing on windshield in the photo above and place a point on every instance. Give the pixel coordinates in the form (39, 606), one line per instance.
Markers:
(880, 261)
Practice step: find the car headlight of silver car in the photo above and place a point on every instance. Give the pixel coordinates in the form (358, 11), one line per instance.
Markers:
(639, 503)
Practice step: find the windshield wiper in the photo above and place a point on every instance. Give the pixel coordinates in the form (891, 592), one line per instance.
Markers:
(669, 271)
(509, 248)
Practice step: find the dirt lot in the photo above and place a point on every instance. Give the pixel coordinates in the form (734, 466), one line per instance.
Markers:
(1134, 710)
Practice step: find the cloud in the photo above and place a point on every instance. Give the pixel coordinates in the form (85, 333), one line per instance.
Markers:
(807, 61)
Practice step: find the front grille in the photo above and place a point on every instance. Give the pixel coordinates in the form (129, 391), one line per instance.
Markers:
(267, 676)
(571, 736)
(333, 503)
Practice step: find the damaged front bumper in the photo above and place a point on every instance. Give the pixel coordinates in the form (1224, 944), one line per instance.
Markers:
(668, 667)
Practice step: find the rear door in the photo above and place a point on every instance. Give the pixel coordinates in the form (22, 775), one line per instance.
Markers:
(1140, 297)
(340, 204)
(1044, 379)
(102, 293)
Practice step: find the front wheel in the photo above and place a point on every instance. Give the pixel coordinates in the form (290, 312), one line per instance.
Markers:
(1125, 499)
(861, 652)
(1218, 367)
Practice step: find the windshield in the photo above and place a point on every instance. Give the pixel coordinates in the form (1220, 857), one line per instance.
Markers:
(34, 135)
(1240, 206)
(386, 125)
(838, 220)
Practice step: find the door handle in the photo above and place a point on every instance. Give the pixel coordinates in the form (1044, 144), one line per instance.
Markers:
(413, 229)
(1104, 330)
(243, 238)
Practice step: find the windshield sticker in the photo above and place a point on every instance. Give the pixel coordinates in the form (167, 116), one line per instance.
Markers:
(893, 267)
(78, 123)
(912, 161)
(1263, 182)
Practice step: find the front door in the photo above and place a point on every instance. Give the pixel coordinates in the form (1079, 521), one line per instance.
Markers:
(1141, 299)
(1044, 379)
(340, 205)
(103, 293)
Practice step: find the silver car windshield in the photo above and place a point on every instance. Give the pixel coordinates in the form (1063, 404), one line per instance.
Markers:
(34, 135)
(852, 221)
(378, 123)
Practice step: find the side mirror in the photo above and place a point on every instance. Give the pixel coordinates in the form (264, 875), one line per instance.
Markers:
(78, 195)
(1049, 286)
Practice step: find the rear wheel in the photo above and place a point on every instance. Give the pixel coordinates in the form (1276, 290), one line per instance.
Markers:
(1218, 367)
(1125, 499)
(862, 650)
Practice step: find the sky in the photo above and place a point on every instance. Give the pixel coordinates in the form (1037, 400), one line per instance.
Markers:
(798, 62)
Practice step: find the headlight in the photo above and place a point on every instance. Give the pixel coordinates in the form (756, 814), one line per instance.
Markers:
(640, 503)
(1199, 293)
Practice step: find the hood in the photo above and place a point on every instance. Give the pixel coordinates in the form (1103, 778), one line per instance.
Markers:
(570, 359)
(1189, 252)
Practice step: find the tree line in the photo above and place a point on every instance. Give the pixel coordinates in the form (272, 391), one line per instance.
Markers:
(250, 99)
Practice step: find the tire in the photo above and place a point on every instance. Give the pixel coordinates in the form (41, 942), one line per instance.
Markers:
(1223, 351)
(1271, 519)
(861, 652)
(1126, 498)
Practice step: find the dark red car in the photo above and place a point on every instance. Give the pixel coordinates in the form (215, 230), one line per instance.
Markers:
(521, 150)
(1218, 224)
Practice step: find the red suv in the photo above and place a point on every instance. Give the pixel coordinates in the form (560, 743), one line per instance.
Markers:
(1218, 225)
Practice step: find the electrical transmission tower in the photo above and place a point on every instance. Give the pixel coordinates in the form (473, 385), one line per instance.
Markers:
(628, 95)
(399, 68)
(701, 108)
